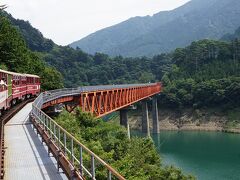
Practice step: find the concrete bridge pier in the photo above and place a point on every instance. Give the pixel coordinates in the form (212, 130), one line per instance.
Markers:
(145, 118)
(156, 128)
(124, 120)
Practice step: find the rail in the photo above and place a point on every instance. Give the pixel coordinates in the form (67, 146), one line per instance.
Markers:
(54, 94)
(65, 142)
(68, 144)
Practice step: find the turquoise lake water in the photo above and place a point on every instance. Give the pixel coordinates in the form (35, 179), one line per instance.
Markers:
(206, 155)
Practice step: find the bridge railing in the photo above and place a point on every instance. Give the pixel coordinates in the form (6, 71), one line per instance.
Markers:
(79, 155)
(70, 146)
(39, 101)
(54, 94)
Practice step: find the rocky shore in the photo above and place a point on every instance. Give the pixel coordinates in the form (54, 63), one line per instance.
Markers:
(200, 120)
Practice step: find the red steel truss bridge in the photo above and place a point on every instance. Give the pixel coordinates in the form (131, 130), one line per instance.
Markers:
(101, 100)
(68, 152)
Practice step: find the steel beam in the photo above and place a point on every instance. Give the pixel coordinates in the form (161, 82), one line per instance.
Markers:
(101, 102)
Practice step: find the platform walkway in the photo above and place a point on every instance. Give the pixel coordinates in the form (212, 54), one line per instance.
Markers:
(26, 157)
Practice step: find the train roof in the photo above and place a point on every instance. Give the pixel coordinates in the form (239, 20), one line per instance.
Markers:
(18, 74)
(31, 75)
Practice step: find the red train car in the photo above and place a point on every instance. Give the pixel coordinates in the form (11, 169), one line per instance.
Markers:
(15, 87)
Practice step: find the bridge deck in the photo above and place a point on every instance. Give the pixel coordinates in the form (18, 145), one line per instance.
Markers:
(26, 157)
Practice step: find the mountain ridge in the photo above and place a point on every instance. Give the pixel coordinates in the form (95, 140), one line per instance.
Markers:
(150, 35)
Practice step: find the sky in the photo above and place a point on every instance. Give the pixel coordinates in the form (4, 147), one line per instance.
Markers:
(65, 21)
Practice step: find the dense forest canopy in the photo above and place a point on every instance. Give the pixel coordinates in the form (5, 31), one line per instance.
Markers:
(80, 68)
(108, 140)
(135, 158)
(203, 74)
(33, 37)
(231, 37)
(15, 56)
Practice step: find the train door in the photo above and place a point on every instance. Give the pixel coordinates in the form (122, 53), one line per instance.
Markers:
(9, 84)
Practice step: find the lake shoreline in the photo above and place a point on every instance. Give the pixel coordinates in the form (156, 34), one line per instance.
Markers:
(188, 120)
(197, 128)
(206, 155)
(211, 126)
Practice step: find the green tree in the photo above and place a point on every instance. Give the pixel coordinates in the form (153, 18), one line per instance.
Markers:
(146, 77)
(109, 141)
(15, 56)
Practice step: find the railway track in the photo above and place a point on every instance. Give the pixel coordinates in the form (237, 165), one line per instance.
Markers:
(3, 120)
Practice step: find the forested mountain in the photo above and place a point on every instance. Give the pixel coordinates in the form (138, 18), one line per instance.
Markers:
(231, 37)
(32, 36)
(15, 56)
(205, 73)
(79, 68)
(165, 31)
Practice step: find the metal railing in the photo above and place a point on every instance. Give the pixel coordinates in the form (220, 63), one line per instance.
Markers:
(70, 146)
(54, 94)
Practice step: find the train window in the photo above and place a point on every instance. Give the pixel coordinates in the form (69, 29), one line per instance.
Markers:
(17, 80)
(1, 88)
(3, 80)
(2, 85)
(24, 80)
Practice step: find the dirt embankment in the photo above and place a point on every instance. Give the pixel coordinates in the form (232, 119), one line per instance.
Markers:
(188, 119)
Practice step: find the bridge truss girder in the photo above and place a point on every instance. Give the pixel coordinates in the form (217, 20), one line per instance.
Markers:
(104, 102)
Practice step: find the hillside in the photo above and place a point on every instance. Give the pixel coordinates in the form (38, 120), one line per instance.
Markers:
(165, 31)
(231, 37)
(79, 68)
(32, 36)
(204, 74)
(15, 56)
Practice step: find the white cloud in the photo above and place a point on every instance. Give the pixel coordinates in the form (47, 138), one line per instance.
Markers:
(66, 21)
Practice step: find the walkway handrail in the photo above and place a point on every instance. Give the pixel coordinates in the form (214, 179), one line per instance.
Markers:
(64, 140)
(68, 143)
(54, 94)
